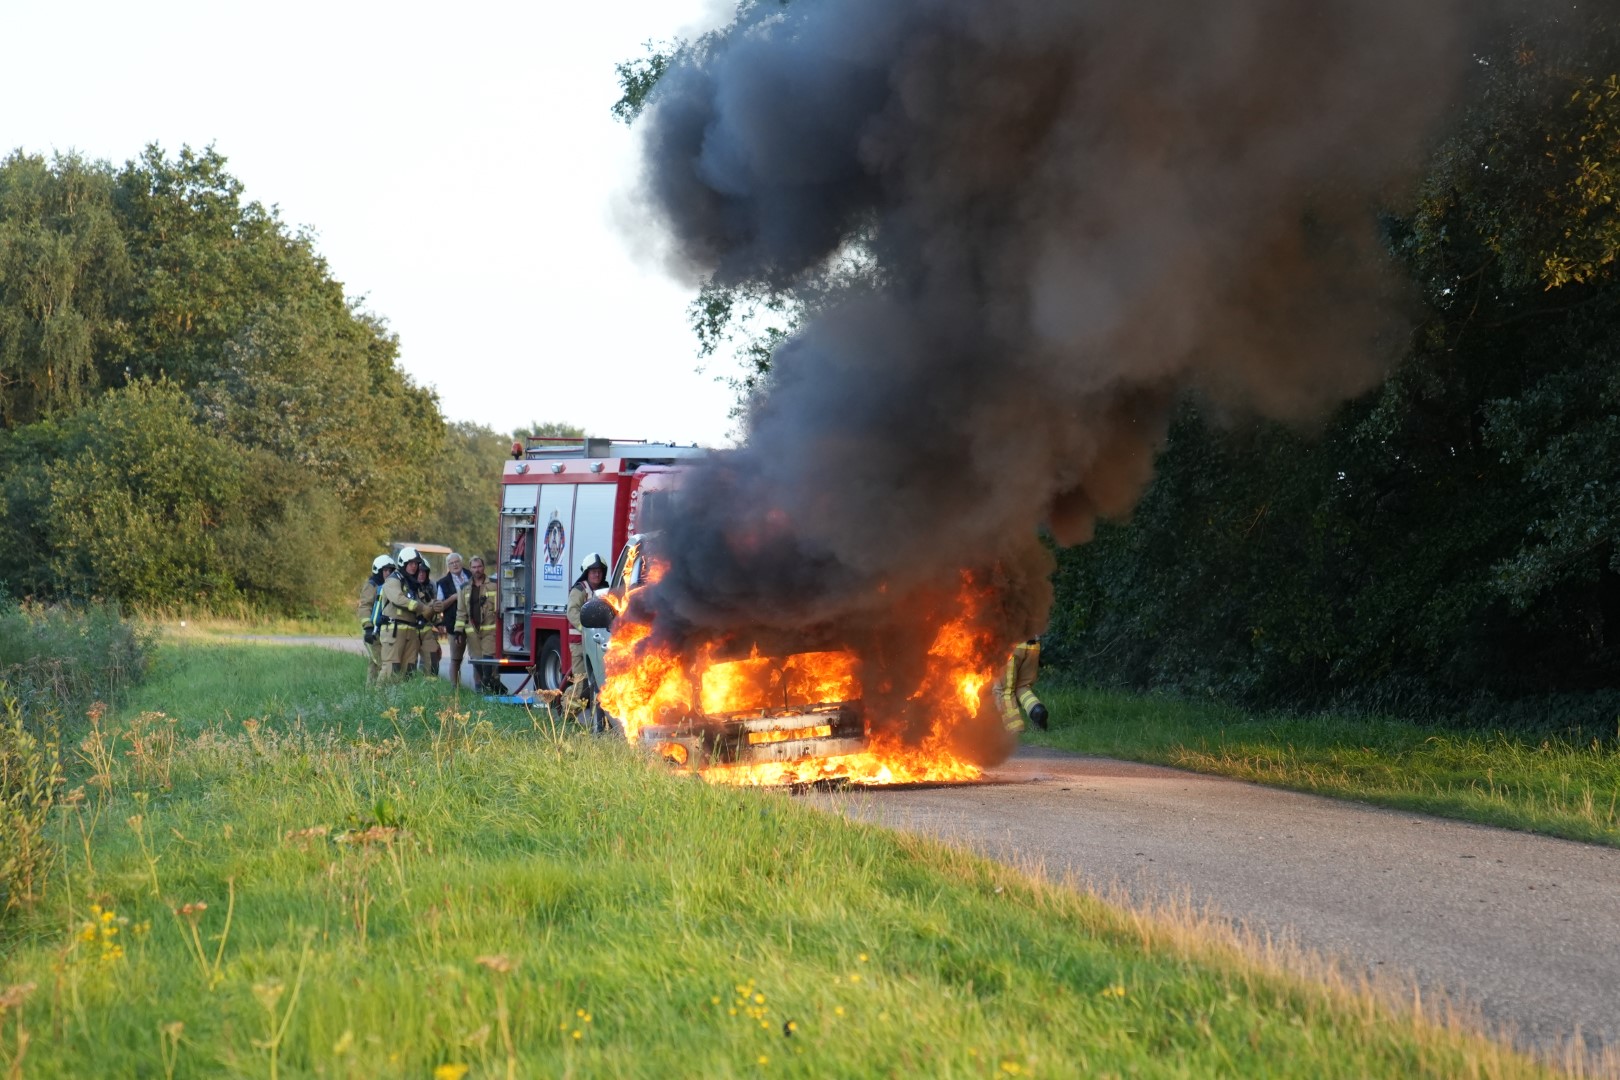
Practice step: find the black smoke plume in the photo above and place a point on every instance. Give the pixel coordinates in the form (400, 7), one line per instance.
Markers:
(1076, 210)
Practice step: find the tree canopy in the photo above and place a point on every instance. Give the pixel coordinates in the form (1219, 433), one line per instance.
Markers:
(190, 407)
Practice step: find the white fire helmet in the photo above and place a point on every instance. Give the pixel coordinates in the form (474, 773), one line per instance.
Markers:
(407, 554)
(381, 563)
(593, 559)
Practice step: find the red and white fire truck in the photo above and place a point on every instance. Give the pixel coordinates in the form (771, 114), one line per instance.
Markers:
(561, 500)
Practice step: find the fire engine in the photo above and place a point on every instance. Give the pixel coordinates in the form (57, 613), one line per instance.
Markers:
(561, 500)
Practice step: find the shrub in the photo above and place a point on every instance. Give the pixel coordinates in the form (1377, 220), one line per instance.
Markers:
(61, 658)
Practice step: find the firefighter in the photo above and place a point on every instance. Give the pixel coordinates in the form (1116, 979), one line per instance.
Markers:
(429, 652)
(592, 573)
(366, 610)
(401, 616)
(1015, 690)
(478, 620)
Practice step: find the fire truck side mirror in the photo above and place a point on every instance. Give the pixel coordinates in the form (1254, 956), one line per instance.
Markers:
(596, 614)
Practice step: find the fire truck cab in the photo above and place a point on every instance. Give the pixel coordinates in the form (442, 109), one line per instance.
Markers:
(561, 500)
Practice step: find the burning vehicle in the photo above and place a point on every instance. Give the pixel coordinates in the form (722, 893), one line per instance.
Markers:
(797, 710)
(718, 711)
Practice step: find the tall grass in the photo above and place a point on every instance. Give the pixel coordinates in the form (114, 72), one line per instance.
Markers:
(405, 884)
(67, 656)
(1543, 784)
(54, 662)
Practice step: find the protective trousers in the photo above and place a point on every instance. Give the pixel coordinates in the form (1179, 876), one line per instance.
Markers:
(1015, 690)
(458, 650)
(400, 645)
(481, 651)
(428, 652)
(373, 660)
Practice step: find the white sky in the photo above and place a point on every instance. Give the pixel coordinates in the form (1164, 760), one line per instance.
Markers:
(456, 161)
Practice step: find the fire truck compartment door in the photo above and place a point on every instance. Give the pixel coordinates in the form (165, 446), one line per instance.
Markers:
(518, 498)
(555, 536)
(593, 526)
(573, 520)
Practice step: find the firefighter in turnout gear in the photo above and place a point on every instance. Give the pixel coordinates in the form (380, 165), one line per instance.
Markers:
(1015, 690)
(593, 571)
(366, 611)
(478, 619)
(429, 652)
(401, 617)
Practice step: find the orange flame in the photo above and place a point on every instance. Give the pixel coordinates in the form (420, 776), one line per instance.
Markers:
(649, 684)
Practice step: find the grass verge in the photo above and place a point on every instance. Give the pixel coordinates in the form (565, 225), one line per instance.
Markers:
(1545, 785)
(298, 877)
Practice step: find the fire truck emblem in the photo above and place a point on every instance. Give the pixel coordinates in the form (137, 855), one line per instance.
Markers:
(555, 541)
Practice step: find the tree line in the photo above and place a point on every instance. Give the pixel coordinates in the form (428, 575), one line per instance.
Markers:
(192, 412)
(1446, 543)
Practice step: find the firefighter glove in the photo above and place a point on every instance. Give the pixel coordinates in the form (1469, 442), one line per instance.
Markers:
(1038, 714)
(371, 635)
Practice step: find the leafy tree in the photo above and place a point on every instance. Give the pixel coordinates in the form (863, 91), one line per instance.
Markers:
(468, 481)
(549, 429)
(121, 289)
(638, 77)
(64, 276)
(136, 497)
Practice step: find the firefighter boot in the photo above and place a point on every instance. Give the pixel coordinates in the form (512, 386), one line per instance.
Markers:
(1032, 707)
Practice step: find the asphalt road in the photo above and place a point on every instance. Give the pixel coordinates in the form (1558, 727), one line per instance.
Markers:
(1525, 927)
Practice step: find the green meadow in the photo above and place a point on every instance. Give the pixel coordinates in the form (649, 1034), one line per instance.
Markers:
(266, 870)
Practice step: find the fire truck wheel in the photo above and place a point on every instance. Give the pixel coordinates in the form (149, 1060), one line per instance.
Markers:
(548, 667)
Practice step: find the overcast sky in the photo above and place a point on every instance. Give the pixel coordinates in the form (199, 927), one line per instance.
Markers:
(457, 163)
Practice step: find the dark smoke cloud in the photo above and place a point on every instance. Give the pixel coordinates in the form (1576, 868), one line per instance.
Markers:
(1077, 211)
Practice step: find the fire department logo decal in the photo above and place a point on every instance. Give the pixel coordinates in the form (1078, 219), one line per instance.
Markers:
(556, 541)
